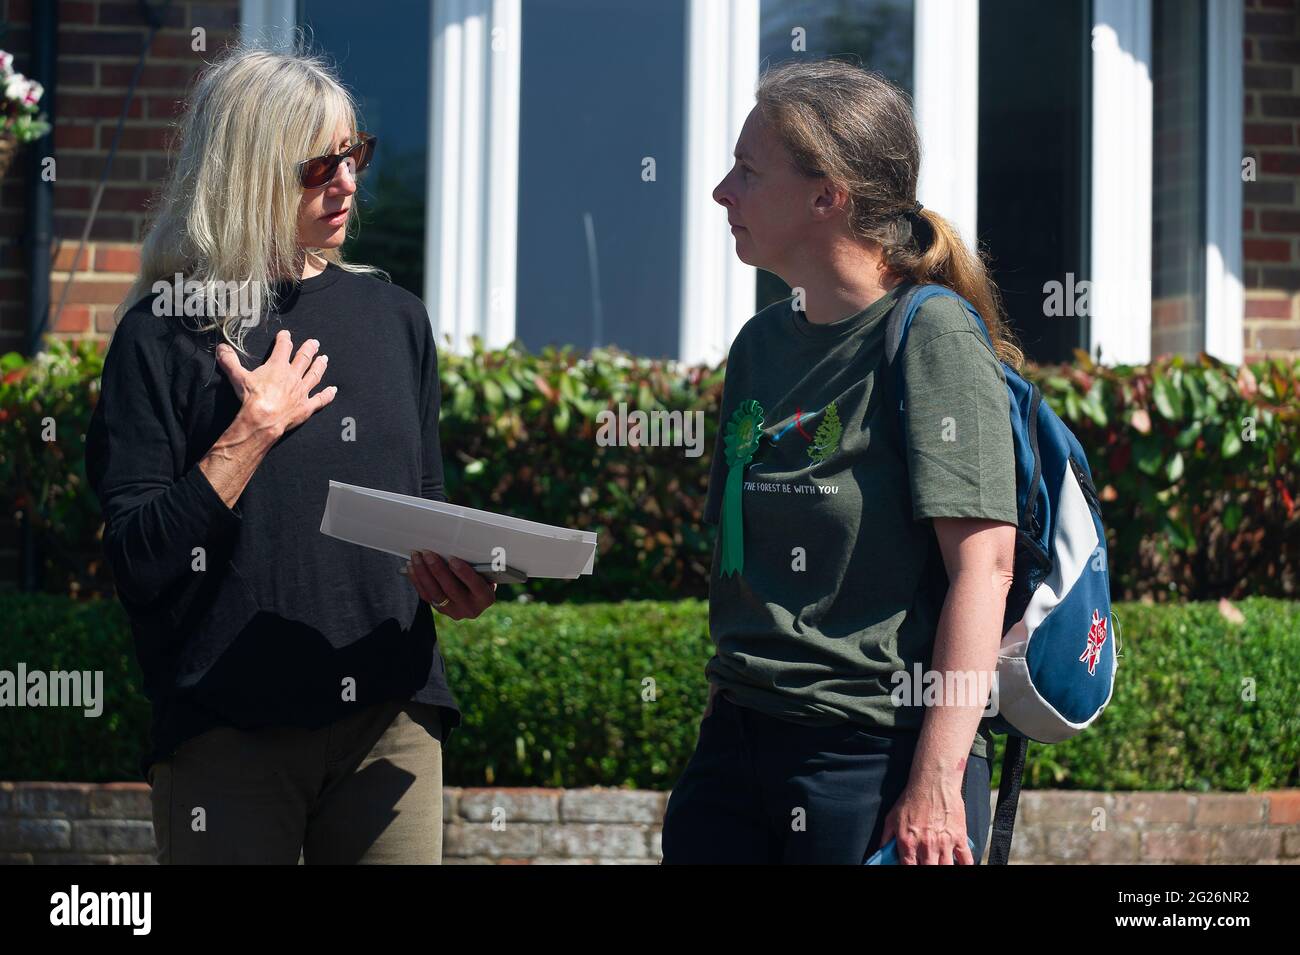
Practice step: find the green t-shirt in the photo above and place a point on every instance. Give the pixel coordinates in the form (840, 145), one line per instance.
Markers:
(843, 580)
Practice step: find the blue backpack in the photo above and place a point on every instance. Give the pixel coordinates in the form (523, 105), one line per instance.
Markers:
(1056, 665)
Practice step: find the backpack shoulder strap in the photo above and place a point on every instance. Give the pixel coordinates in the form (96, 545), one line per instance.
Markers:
(899, 321)
(1004, 816)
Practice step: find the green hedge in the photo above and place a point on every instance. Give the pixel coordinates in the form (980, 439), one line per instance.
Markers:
(1197, 463)
(611, 694)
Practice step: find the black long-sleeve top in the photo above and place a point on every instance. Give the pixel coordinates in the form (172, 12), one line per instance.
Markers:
(249, 616)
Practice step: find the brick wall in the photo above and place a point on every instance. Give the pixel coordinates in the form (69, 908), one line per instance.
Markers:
(1271, 204)
(84, 823)
(99, 42)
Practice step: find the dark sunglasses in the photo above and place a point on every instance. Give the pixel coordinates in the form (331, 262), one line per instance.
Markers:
(320, 170)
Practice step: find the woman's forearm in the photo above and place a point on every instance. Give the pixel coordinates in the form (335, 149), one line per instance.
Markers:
(235, 456)
(965, 658)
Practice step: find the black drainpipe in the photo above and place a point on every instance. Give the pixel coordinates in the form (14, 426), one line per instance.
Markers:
(39, 230)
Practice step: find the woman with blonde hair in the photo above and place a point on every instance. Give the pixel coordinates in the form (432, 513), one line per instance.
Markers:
(854, 562)
(299, 699)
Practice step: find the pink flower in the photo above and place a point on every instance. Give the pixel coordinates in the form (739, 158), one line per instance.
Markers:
(33, 93)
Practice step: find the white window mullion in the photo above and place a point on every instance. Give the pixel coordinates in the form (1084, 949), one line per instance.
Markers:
(718, 290)
(1120, 294)
(946, 103)
(473, 173)
(1224, 305)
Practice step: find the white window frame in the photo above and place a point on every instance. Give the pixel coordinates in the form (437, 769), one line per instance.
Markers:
(718, 291)
(1224, 292)
(945, 83)
(1119, 326)
(471, 230)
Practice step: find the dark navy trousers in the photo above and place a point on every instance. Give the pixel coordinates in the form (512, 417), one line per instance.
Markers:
(759, 789)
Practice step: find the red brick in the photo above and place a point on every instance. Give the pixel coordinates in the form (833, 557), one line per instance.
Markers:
(1269, 78)
(1142, 809)
(63, 258)
(215, 16)
(104, 321)
(1285, 52)
(1230, 809)
(1277, 104)
(89, 106)
(176, 46)
(1269, 134)
(1288, 164)
(128, 15)
(76, 42)
(1283, 807)
(1277, 308)
(146, 138)
(70, 12)
(90, 167)
(91, 292)
(111, 228)
(118, 260)
(75, 73)
(125, 199)
(1277, 337)
(1279, 220)
(71, 197)
(1267, 250)
(1270, 24)
(1273, 192)
(165, 107)
(1247, 219)
(1246, 845)
(153, 76)
(73, 319)
(1176, 846)
(73, 137)
(1279, 278)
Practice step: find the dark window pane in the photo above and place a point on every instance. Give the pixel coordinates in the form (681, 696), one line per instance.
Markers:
(1034, 149)
(387, 71)
(876, 34)
(599, 251)
(1178, 178)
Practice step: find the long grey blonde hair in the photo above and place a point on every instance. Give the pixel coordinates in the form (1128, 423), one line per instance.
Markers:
(228, 213)
(854, 127)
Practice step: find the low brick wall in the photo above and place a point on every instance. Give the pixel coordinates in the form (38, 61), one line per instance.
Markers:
(86, 823)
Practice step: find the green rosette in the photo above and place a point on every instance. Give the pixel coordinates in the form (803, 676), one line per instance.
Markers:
(743, 433)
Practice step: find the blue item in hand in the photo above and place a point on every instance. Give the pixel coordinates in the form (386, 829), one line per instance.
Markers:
(888, 853)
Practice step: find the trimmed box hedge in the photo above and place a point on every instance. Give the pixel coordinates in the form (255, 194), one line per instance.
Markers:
(612, 694)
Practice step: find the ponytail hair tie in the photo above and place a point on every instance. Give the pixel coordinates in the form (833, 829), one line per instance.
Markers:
(919, 225)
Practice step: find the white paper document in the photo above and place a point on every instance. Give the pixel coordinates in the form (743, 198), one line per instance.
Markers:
(399, 523)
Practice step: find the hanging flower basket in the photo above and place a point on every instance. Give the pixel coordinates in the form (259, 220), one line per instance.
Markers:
(20, 118)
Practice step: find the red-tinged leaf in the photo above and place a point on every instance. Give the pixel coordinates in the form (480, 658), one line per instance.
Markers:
(1246, 383)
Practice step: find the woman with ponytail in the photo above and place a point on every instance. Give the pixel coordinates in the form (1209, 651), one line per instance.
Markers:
(861, 574)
